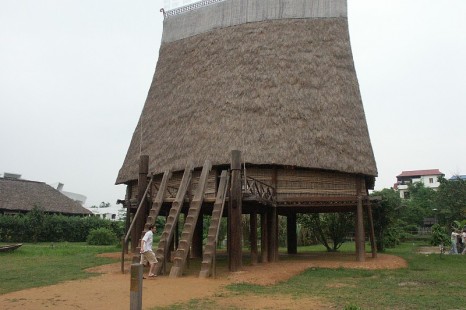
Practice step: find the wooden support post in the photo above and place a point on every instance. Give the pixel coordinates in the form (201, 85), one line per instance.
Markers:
(235, 260)
(135, 290)
(292, 237)
(253, 236)
(128, 214)
(142, 184)
(360, 241)
(272, 232)
(372, 232)
(264, 240)
(196, 248)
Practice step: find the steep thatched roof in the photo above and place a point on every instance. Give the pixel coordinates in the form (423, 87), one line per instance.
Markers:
(23, 195)
(283, 91)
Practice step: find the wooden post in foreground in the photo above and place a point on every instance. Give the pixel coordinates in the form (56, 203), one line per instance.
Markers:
(142, 184)
(135, 290)
(235, 232)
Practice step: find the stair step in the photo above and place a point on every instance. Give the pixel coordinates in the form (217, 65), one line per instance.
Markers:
(183, 244)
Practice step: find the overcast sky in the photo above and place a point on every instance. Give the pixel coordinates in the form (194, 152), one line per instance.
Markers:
(74, 75)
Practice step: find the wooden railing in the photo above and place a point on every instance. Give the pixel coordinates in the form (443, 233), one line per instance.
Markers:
(136, 216)
(259, 190)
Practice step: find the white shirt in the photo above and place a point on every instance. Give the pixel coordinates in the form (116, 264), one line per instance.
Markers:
(148, 239)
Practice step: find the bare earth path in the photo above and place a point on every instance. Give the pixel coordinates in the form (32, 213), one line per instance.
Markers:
(110, 290)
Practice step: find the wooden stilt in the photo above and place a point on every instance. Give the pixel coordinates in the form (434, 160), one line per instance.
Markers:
(128, 214)
(142, 184)
(253, 236)
(196, 248)
(235, 260)
(292, 237)
(372, 232)
(264, 239)
(361, 251)
(272, 232)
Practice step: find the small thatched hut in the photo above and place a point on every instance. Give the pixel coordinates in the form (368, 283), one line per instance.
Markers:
(21, 196)
(273, 79)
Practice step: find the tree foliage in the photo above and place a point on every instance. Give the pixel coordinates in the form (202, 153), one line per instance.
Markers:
(330, 229)
(420, 205)
(451, 201)
(385, 218)
(38, 226)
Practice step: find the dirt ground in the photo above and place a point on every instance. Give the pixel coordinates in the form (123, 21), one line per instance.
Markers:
(110, 289)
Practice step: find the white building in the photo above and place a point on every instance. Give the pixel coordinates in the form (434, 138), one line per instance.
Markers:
(75, 196)
(428, 177)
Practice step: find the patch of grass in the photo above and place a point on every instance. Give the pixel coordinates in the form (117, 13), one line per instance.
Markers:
(205, 304)
(34, 265)
(430, 281)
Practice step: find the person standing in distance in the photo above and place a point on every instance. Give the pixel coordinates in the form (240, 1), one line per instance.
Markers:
(147, 255)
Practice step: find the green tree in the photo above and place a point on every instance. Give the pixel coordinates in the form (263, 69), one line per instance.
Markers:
(451, 201)
(420, 205)
(385, 216)
(330, 229)
(35, 220)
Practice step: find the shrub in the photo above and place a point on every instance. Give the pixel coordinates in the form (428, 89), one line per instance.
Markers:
(439, 236)
(102, 236)
(392, 237)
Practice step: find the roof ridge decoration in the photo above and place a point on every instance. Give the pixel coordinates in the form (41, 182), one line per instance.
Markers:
(187, 8)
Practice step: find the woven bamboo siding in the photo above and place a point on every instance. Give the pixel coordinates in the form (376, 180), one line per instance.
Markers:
(293, 183)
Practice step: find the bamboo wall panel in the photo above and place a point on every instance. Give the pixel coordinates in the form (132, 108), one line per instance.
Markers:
(293, 183)
(290, 183)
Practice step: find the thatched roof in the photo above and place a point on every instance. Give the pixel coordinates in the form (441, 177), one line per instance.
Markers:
(23, 195)
(283, 91)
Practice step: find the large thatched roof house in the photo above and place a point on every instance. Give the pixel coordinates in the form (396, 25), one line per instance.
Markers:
(273, 79)
(21, 196)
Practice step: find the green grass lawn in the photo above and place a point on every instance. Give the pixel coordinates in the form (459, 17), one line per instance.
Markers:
(430, 282)
(34, 265)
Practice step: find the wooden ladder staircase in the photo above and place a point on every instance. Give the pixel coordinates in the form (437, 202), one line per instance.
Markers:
(181, 254)
(170, 225)
(156, 205)
(217, 212)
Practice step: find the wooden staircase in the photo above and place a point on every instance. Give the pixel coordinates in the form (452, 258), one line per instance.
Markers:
(184, 244)
(217, 212)
(156, 205)
(170, 225)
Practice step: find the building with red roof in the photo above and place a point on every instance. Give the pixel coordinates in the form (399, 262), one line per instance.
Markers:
(429, 177)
